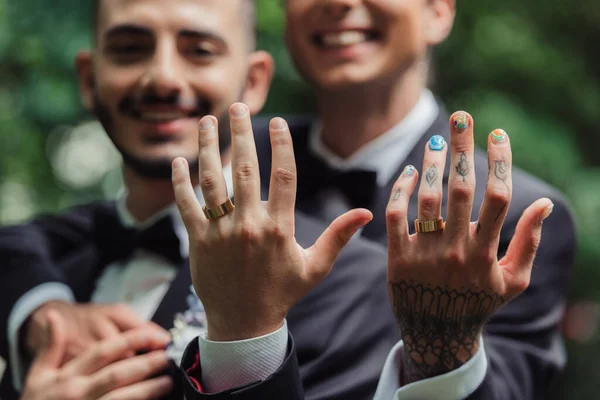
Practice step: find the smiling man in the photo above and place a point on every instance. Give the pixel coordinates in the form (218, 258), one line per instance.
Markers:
(368, 64)
(156, 67)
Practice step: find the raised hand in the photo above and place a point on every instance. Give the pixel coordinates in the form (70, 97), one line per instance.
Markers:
(85, 324)
(247, 268)
(104, 371)
(445, 284)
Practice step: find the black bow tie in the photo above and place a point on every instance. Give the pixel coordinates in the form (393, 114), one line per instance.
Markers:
(117, 243)
(358, 186)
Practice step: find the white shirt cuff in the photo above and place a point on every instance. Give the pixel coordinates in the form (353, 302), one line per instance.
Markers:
(454, 385)
(22, 309)
(227, 365)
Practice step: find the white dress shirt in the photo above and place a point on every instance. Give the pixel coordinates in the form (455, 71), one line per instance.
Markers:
(145, 279)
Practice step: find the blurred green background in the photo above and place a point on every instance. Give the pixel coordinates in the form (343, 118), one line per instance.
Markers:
(529, 66)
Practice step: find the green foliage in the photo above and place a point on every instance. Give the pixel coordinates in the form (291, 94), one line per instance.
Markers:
(528, 67)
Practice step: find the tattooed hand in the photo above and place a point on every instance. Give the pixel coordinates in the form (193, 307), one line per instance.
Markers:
(445, 285)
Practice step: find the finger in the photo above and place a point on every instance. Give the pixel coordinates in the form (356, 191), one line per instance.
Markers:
(51, 355)
(212, 181)
(461, 184)
(430, 190)
(397, 209)
(246, 180)
(185, 197)
(519, 257)
(106, 329)
(127, 372)
(114, 349)
(156, 388)
(326, 249)
(282, 190)
(498, 189)
(123, 317)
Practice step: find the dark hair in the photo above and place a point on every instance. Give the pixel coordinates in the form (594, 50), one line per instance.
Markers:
(249, 10)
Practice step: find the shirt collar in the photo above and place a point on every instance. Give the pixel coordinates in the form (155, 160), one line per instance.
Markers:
(386, 153)
(128, 220)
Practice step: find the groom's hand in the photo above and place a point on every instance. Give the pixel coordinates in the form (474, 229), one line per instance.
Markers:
(247, 268)
(86, 324)
(445, 285)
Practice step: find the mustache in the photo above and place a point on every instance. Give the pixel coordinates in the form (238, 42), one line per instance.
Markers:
(198, 106)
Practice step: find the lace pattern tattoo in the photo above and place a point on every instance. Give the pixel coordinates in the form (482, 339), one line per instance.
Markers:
(440, 327)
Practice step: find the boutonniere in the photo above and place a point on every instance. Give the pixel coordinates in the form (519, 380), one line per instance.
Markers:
(187, 325)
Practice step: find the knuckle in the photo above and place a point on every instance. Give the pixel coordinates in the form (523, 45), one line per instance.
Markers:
(208, 182)
(486, 256)
(461, 191)
(430, 202)
(497, 197)
(244, 171)
(276, 232)
(111, 380)
(185, 205)
(249, 233)
(455, 257)
(395, 215)
(284, 176)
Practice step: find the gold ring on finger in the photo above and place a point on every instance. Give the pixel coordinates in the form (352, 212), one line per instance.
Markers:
(436, 225)
(218, 211)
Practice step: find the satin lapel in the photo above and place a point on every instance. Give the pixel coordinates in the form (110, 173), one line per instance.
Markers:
(376, 229)
(175, 301)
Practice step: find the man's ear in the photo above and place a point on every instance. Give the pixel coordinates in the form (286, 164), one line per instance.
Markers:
(440, 19)
(261, 69)
(84, 64)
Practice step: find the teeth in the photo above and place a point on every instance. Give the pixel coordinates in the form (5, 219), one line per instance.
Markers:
(161, 116)
(347, 38)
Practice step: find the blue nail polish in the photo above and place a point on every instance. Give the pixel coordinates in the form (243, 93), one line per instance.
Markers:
(409, 170)
(437, 143)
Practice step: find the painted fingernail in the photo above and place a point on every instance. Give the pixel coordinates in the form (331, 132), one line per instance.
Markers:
(409, 170)
(238, 110)
(546, 213)
(461, 122)
(437, 143)
(499, 136)
(206, 123)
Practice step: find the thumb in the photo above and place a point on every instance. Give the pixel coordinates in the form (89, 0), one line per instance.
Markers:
(327, 248)
(54, 346)
(528, 234)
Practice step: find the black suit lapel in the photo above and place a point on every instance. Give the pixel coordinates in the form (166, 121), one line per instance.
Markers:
(175, 299)
(376, 229)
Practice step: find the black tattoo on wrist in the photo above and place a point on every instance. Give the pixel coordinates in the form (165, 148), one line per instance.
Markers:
(397, 195)
(463, 167)
(431, 175)
(440, 327)
(501, 170)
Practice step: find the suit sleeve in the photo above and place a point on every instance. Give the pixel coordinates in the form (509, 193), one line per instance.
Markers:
(285, 383)
(522, 341)
(29, 277)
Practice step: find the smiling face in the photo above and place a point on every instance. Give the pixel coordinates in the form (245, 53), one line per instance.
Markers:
(340, 43)
(161, 65)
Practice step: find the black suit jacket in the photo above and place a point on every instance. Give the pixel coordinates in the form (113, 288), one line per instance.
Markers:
(343, 329)
(522, 340)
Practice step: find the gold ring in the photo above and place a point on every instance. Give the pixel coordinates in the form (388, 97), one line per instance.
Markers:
(429, 226)
(218, 211)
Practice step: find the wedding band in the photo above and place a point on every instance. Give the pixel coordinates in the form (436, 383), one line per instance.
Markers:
(218, 211)
(429, 226)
